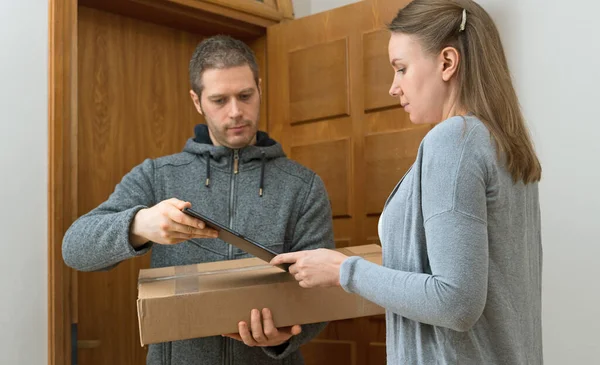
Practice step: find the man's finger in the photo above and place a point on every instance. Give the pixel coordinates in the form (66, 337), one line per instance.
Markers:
(179, 204)
(176, 237)
(256, 326)
(180, 237)
(180, 217)
(291, 330)
(245, 334)
(268, 326)
(192, 231)
(287, 258)
(296, 329)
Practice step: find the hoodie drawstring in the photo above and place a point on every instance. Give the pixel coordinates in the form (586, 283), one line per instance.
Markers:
(262, 174)
(207, 184)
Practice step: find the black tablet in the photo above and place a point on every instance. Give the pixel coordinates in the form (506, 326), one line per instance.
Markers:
(238, 240)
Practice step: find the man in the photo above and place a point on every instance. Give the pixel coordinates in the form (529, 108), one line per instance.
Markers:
(235, 175)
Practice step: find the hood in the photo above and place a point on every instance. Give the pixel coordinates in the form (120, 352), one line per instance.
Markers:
(201, 144)
(265, 149)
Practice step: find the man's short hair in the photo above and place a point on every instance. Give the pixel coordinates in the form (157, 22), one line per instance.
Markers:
(220, 52)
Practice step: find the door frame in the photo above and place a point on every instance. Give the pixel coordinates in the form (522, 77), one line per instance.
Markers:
(63, 166)
(62, 173)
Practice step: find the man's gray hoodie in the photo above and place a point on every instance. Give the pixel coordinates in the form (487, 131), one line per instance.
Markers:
(271, 199)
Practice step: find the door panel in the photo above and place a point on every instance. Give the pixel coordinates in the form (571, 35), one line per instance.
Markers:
(327, 352)
(329, 106)
(388, 155)
(319, 75)
(376, 70)
(331, 160)
(133, 104)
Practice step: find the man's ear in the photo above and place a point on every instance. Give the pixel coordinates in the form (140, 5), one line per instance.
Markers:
(450, 59)
(260, 87)
(196, 100)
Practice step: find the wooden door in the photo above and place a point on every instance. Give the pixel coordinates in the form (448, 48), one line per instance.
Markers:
(329, 76)
(133, 103)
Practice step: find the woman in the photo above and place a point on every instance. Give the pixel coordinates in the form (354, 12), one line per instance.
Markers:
(462, 255)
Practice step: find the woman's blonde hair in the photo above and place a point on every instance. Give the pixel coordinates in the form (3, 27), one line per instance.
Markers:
(486, 88)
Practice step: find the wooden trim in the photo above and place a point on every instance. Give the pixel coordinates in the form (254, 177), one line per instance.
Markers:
(247, 23)
(249, 7)
(195, 16)
(286, 8)
(62, 171)
(271, 3)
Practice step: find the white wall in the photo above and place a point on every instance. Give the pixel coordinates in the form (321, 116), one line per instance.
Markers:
(309, 7)
(23, 181)
(301, 8)
(317, 6)
(553, 53)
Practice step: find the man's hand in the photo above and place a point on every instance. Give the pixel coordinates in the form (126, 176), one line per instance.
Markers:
(262, 332)
(166, 224)
(311, 268)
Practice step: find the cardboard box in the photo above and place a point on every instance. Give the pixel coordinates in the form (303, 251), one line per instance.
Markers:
(183, 302)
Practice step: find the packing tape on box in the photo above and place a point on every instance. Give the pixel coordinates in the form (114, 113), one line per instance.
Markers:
(187, 278)
(187, 281)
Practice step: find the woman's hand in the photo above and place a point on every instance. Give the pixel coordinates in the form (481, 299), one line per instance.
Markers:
(313, 268)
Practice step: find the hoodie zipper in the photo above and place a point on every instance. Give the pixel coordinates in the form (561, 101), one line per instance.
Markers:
(234, 172)
(227, 360)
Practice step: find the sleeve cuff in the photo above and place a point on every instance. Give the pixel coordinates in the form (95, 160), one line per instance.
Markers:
(132, 251)
(278, 352)
(347, 273)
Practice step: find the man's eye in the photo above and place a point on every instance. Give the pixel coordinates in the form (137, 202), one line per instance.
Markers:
(245, 96)
(400, 71)
(219, 101)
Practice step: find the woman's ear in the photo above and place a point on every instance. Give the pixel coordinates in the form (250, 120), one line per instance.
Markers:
(450, 59)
